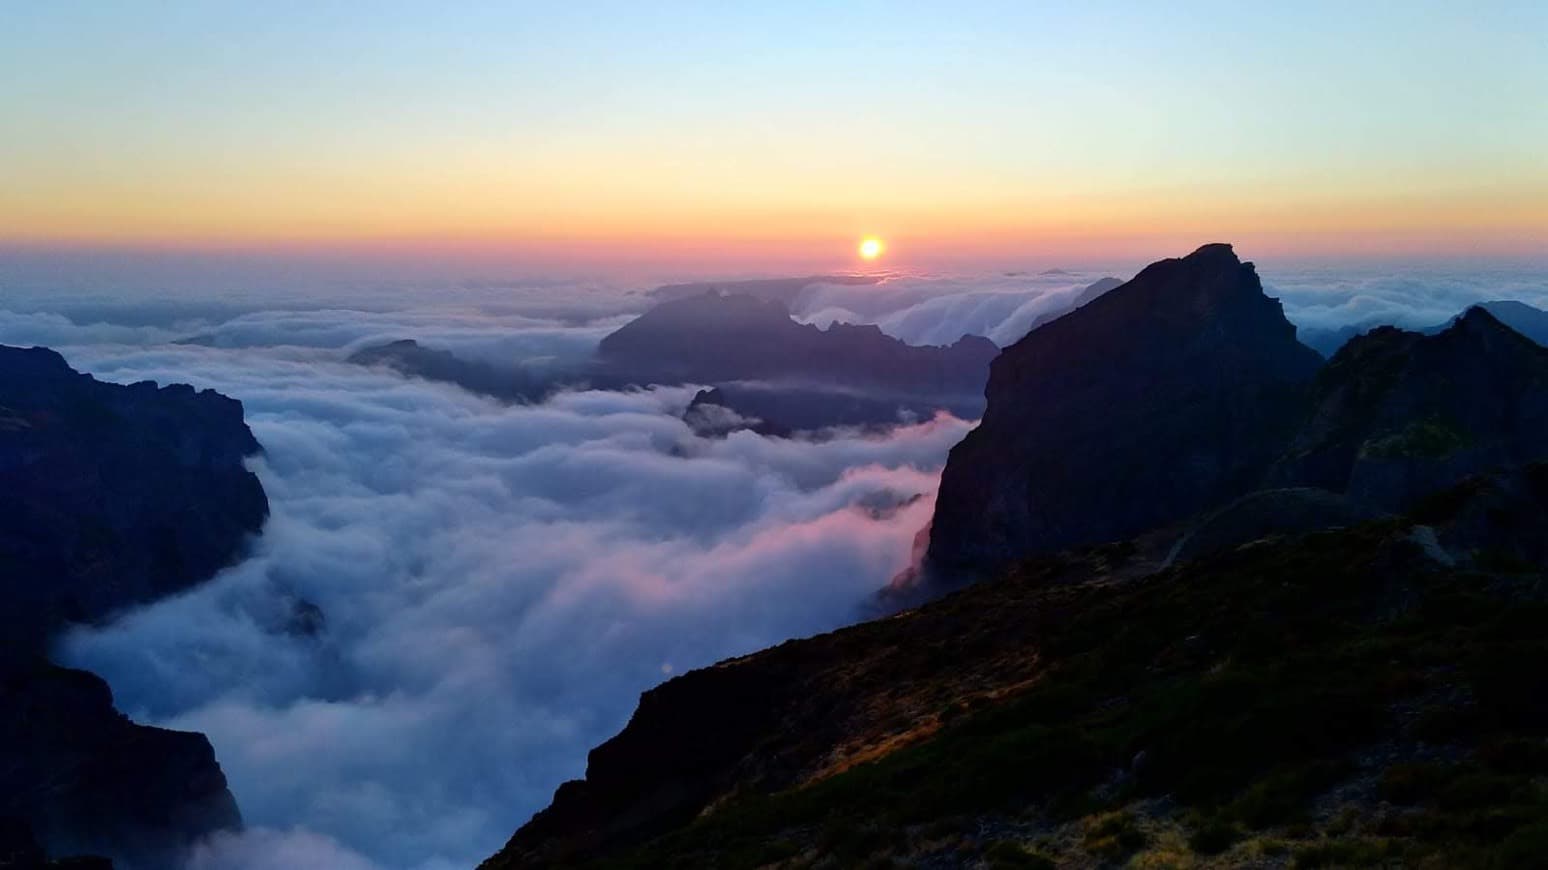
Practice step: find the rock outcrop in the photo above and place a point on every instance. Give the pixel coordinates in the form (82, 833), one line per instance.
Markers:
(110, 496)
(1161, 398)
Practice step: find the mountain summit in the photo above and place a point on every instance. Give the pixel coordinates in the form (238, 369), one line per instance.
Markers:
(1156, 400)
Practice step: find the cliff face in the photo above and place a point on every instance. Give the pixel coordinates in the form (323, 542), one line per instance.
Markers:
(1158, 399)
(110, 496)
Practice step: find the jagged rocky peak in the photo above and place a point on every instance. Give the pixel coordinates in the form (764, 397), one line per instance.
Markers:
(1397, 415)
(1161, 398)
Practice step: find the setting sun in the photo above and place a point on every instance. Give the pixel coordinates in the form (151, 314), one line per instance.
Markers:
(871, 248)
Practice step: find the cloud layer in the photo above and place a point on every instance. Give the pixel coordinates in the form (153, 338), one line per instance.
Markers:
(497, 584)
(922, 309)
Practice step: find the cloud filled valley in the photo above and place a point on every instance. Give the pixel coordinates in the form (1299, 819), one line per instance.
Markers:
(493, 586)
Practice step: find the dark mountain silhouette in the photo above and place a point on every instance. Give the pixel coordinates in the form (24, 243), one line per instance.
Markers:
(765, 365)
(714, 338)
(1159, 399)
(1523, 318)
(110, 496)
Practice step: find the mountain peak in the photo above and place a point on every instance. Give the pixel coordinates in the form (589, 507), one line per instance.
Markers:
(1156, 400)
(1479, 322)
(1213, 249)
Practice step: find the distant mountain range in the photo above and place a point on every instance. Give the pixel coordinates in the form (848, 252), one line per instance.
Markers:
(1239, 606)
(1523, 318)
(765, 365)
(739, 337)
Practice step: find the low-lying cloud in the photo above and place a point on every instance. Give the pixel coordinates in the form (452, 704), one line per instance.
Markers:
(941, 309)
(1332, 298)
(497, 584)
(1004, 307)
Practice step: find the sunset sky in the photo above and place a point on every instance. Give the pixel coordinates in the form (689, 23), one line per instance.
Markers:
(759, 136)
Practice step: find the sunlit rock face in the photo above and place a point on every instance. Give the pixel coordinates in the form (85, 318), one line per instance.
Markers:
(1161, 398)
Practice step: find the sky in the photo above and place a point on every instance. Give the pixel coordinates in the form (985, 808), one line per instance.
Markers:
(677, 137)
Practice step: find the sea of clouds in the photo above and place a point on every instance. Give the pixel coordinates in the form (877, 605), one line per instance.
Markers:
(498, 583)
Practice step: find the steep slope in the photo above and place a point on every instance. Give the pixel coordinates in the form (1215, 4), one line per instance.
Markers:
(715, 338)
(1345, 698)
(1397, 415)
(1158, 399)
(110, 496)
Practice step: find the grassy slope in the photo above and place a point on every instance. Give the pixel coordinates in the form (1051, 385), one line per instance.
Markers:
(1340, 700)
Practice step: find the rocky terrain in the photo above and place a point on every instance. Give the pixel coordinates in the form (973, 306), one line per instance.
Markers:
(1238, 609)
(110, 496)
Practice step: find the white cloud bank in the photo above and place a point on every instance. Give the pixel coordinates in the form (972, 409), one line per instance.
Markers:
(498, 584)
